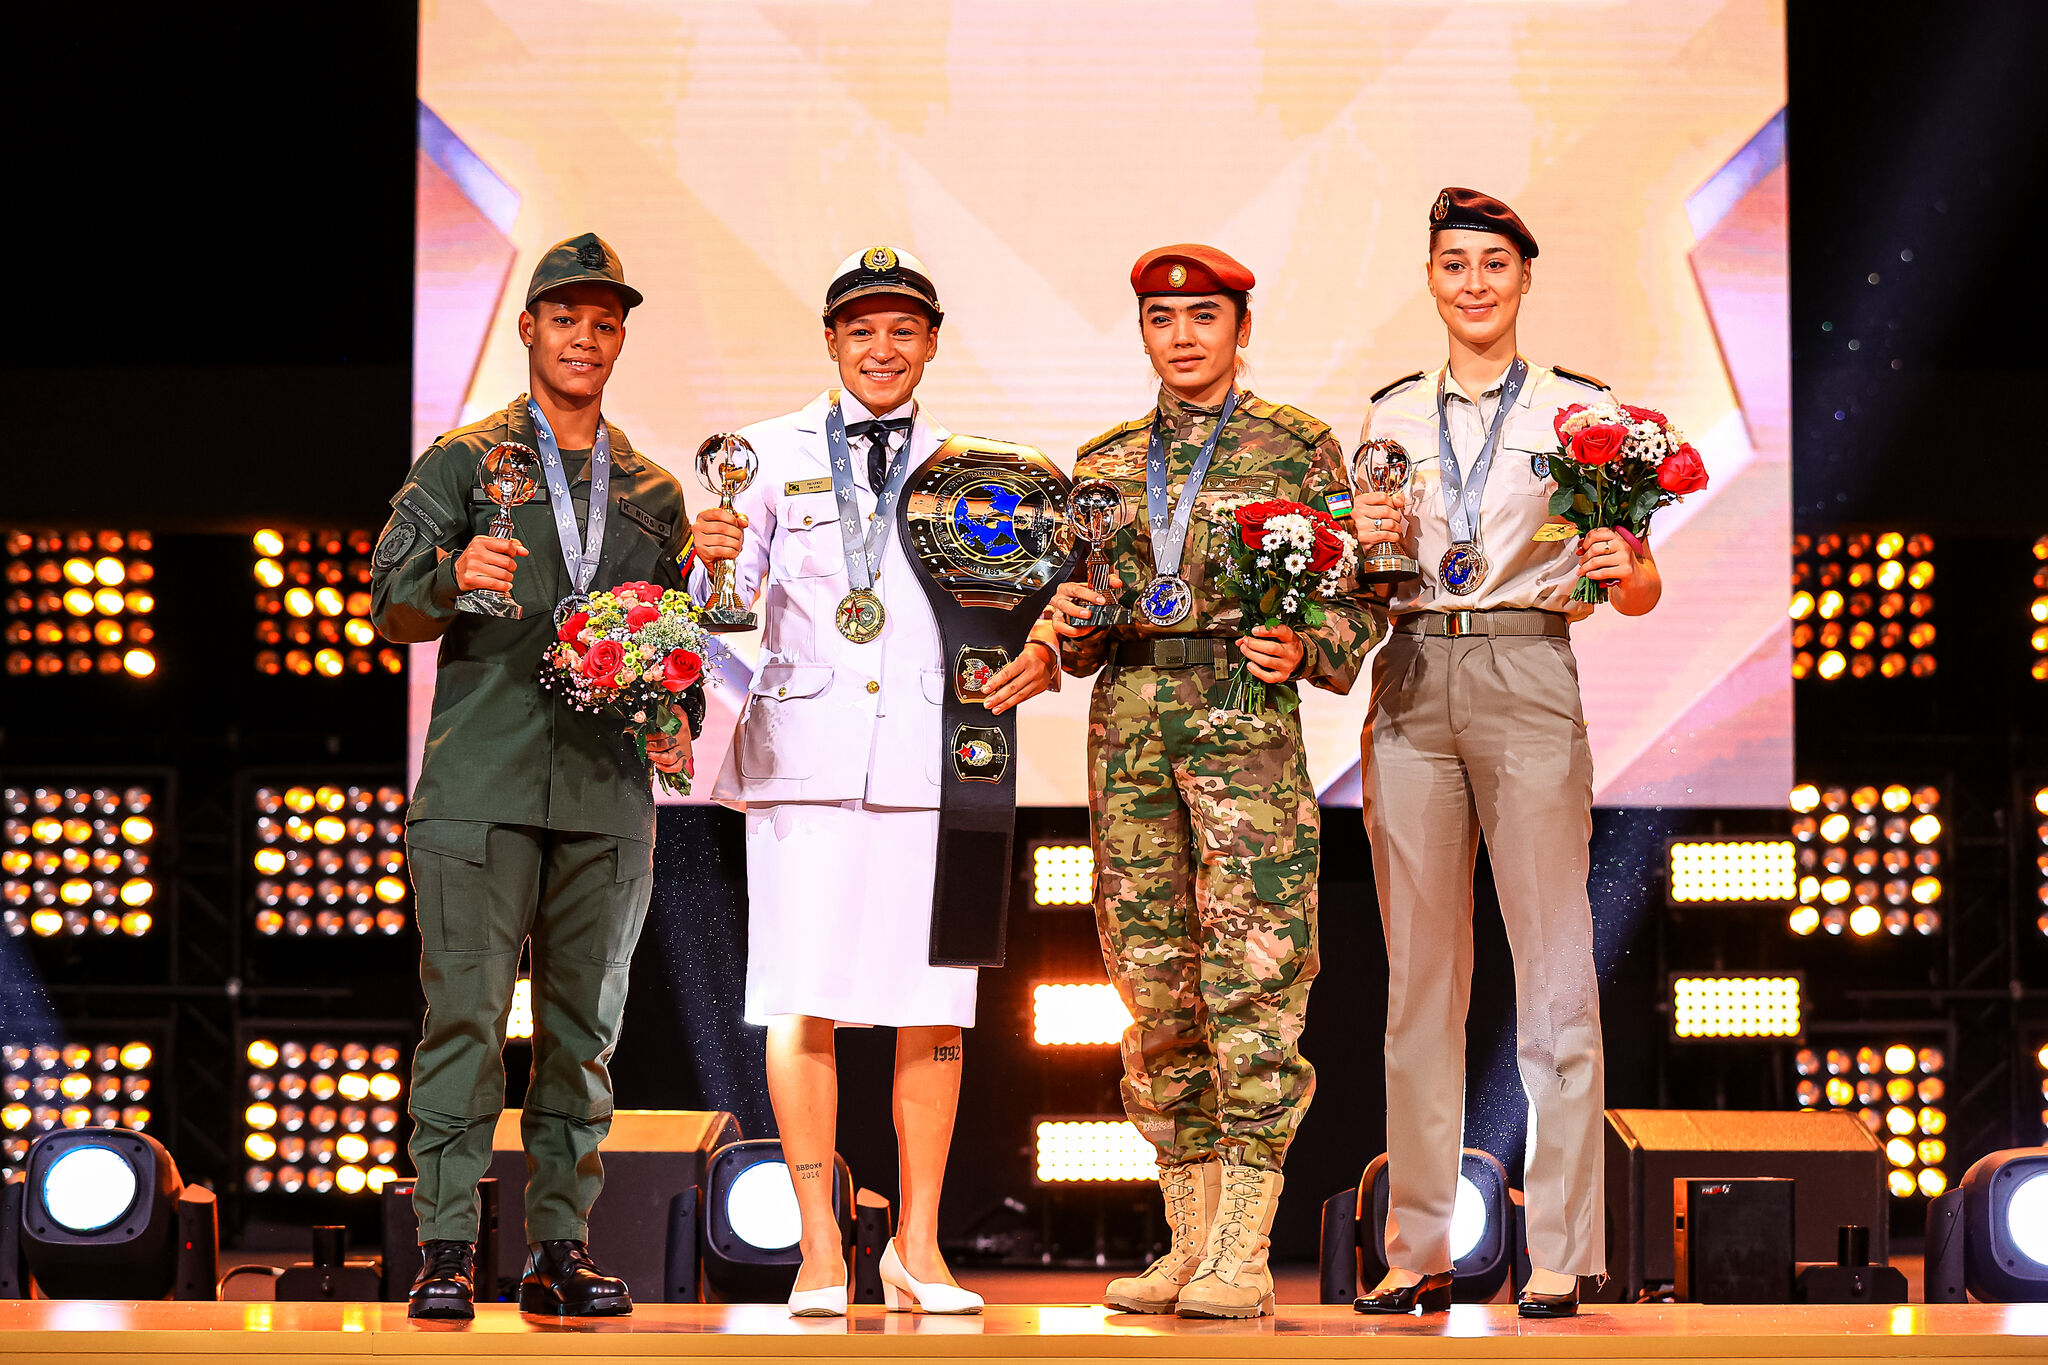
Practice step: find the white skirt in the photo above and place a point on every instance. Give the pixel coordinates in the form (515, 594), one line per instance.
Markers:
(839, 916)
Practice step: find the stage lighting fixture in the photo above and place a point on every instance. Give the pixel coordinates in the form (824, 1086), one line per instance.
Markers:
(1895, 1089)
(76, 861)
(2037, 817)
(519, 1023)
(1871, 858)
(322, 1115)
(1062, 874)
(313, 605)
(2038, 610)
(96, 1080)
(1078, 1151)
(751, 1224)
(1740, 869)
(78, 602)
(330, 861)
(1990, 1233)
(105, 1215)
(1067, 1014)
(1735, 1005)
(1486, 1234)
(1860, 605)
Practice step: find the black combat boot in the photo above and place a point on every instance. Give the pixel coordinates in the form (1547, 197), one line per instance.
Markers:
(446, 1284)
(562, 1281)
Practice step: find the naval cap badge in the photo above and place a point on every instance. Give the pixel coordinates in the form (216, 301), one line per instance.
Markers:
(879, 259)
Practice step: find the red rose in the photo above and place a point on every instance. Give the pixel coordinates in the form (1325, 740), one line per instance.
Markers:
(1598, 445)
(1329, 544)
(1252, 518)
(637, 617)
(1682, 471)
(573, 627)
(1646, 415)
(680, 669)
(648, 593)
(1564, 415)
(602, 662)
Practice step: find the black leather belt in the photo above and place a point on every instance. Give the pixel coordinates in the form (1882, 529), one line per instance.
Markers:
(1175, 651)
(1500, 621)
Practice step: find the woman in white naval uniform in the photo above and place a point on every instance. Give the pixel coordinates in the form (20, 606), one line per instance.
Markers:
(1475, 726)
(837, 761)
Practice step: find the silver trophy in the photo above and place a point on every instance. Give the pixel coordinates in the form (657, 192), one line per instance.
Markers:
(726, 465)
(1099, 511)
(510, 475)
(1381, 466)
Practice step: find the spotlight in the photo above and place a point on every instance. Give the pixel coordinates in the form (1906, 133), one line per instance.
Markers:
(76, 861)
(1078, 1013)
(1070, 1151)
(1062, 874)
(321, 1115)
(1868, 592)
(1735, 1005)
(63, 592)
(1486, 1234)
(1878, 852)
(1879, 1081)
(1732, 870)
(751, 1224)
(105, 1216)
(103, 1083)
(1990, 1233)
(330, 861)
(312, 594)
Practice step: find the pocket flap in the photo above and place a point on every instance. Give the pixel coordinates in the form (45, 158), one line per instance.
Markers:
(1275, 880)
(464, 839)
(935, 686)
(780, 680)
(807, 510)
(636, 860)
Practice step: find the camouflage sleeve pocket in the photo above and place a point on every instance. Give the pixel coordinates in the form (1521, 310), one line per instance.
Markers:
(1277, 881)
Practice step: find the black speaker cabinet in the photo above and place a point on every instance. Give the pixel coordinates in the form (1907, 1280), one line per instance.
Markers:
(650, 1156)
(1837, 1167)
(1731, 1240)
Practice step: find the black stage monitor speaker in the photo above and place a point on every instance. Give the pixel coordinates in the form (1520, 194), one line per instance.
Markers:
(650, 1156)
(1731, 1240)
(1837, 1166)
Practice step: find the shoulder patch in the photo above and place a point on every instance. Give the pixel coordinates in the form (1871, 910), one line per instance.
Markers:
(1588, 380)
(426, 510)
(1403, 382)
(1144, 423)
(395, 546)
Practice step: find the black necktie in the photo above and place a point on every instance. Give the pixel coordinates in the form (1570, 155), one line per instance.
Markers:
(877, 430)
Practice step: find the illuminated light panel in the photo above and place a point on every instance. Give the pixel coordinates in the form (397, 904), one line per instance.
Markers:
(1091, 1151)
(78, 861)
(1735, 1005)
(77, 603)
(1062, 874)
(313, 605)
(1861, 604)
(2036, 818)
(1893, 1088)
(102, 1083)
(1748, 870)
(519, 1023)
(1077, 1014)
(329, 861)
(1869, 859)
(315, 1111)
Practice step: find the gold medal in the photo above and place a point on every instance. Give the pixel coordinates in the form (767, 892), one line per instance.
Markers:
(860, 616)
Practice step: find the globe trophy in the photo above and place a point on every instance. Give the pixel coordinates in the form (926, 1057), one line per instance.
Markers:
(726, 465)
(1099, 511)
(509, 473)
(1381, 466)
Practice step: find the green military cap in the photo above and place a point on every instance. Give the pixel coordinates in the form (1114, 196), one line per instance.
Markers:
(578, 260)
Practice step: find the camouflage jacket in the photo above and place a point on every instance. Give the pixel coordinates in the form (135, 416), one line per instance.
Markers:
(1268, 451)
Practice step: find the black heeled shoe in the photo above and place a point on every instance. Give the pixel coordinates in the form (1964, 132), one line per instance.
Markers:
(446, 1284)
(1431, 1293)
(1548, 1305)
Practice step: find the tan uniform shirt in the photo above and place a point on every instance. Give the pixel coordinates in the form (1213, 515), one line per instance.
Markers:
(1522, 571)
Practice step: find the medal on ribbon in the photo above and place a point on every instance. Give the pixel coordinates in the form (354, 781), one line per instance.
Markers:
(1463, 569)
(580, 550)
(860, 614)
(1167, 600)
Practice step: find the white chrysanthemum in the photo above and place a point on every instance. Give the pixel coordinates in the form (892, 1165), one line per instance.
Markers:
(1295, 563)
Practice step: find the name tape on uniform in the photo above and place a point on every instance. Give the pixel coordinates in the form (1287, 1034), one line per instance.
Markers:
(1554, 530)
(796, 487)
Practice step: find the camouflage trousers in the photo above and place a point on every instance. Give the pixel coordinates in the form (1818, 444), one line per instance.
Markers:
(1206, 849)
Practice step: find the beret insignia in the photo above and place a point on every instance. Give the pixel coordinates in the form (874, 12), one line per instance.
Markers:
(1177, 276)
(1443, 206)
(590, 256)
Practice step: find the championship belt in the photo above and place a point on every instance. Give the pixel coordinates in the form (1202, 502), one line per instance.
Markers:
(985, 526)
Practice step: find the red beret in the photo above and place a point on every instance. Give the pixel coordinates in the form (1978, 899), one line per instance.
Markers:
(1476, 212)
(1188, 269)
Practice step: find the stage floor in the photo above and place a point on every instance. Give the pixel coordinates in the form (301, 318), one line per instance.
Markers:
(199, 1333)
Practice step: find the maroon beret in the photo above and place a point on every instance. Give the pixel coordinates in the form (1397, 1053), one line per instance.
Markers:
(1188, 269)
(1476, 212)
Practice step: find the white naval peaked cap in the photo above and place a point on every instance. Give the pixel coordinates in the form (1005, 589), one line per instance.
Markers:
(881, 270)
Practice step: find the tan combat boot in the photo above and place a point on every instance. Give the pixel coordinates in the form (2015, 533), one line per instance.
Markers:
(1233, 1280)
(1191, 1193)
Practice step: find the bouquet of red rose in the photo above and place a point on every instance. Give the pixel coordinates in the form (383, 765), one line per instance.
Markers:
(1615, 465)
(634, 654)
(1277, 560)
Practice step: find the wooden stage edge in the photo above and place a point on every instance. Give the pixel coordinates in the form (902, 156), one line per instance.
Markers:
(200, 1333)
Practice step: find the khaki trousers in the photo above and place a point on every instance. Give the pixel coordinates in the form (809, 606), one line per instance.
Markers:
(1470, 735)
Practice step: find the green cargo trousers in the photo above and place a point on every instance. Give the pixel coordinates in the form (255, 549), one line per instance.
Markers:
(482, 890)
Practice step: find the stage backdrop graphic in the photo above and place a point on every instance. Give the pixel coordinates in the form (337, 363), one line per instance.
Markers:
(733, 153)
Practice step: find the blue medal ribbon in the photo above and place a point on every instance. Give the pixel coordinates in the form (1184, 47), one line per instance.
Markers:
(580, 552)
(1461, 495)
(863, 553)
(1170, 536)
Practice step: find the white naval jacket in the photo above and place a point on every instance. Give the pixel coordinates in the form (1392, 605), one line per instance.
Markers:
(827, 719)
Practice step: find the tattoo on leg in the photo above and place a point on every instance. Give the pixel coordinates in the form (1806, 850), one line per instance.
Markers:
(946, 1052)
(809, 1170)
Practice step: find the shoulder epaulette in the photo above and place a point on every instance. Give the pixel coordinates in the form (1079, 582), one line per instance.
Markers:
(1310, 430)
(1403, 382)
(1588, 380)
(1144, 423)
(477, 428)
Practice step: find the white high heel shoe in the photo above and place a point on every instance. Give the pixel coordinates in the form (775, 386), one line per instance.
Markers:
(829, 1302)
(902, 1293)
